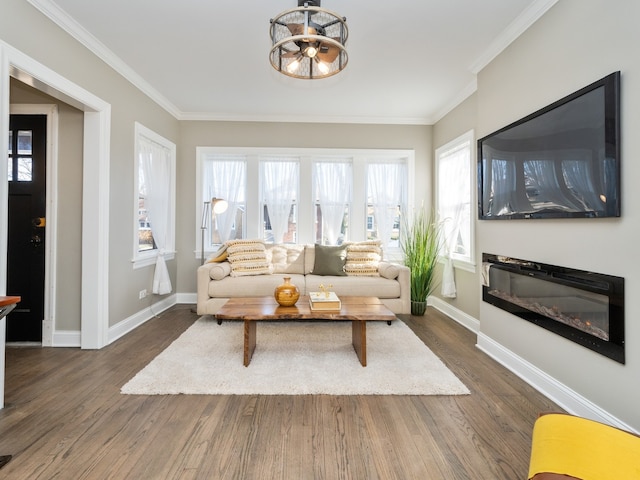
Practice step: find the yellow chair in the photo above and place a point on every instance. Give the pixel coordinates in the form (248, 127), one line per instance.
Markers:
(570, 447)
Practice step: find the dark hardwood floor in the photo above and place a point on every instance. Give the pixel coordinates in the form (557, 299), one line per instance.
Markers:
(66, 419)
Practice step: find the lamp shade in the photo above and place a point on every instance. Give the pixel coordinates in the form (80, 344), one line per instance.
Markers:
(219, 205)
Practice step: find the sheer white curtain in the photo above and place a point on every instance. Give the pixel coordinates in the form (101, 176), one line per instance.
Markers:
(503, 185)
(333, 191)
(387, 186)
(226, 178)
(543, 176)
(280, 181)
(155, 185)
(579, 178)
(454, 187)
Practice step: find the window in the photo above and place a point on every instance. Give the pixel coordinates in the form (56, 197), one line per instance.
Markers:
(332, 180)
(154, 208)
(386, 198)
(455, 197)
(223, 177)
(307, 195)
(279, 182)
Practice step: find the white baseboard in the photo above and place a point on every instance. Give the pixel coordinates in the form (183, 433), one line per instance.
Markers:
(467, 321)
(128, 324)
(551, 388)
(66, 338)
(71, 338)
(186, 298)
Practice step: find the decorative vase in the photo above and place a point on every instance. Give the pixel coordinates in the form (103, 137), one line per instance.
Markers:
(287, 294)
(418, 308)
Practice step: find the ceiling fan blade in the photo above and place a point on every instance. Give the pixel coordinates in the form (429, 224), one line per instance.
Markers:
(298, 29)
(327, 53)
(290, 55)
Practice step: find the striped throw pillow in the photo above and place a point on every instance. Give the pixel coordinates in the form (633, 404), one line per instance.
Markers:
(248, 257)
(363, 258)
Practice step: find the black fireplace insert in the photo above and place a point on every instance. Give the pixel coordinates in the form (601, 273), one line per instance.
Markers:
(582, 306)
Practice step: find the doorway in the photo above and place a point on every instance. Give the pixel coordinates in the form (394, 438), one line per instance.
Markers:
(95, 181)
(26, 225)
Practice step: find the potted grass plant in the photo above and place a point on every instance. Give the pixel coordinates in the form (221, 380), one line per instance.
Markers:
(420, 243)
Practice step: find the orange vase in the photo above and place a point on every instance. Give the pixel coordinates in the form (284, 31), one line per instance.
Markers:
(287, 294)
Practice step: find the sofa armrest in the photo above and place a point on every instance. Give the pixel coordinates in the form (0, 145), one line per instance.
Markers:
(203, 278)
(404, 278)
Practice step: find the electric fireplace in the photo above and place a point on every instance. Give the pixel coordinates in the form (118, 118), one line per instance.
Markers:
(585, 307)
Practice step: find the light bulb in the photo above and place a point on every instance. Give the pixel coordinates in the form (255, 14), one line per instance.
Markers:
(323, 67)
(311, 52)
(293, 66)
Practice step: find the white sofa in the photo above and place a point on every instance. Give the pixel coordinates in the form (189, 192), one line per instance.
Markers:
(216, 284)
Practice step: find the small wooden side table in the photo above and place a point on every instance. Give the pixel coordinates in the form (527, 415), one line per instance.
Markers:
(7, 304)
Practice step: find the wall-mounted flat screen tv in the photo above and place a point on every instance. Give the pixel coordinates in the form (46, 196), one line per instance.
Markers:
(562, 161)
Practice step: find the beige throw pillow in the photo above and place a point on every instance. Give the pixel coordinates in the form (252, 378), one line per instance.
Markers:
(363, 258)
(248, 257)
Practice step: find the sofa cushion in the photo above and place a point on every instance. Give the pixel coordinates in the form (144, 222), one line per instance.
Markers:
(220, 270)
(309, 258)
(286, 258)
(363, 258)
(252, 286)
(248, 257)
(329, 260)
(361, 286)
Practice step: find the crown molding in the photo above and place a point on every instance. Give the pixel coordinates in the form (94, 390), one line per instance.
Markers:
(516, 28)
(73, 28)
(465, 93)
(222, 117)
(77, 31)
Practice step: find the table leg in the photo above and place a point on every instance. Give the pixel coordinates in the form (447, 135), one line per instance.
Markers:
(359, 339)
(249, 340)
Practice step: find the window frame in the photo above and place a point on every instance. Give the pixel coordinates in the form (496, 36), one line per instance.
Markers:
(147, 258)
(467, 263)
(306, 217)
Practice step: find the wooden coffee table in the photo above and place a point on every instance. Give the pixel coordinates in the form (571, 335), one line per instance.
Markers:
(254, 309)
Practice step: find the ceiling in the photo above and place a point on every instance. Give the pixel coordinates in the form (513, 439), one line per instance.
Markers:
(410, 61)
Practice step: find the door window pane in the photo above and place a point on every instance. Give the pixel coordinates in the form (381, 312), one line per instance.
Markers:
(25, 142)
(25, 169)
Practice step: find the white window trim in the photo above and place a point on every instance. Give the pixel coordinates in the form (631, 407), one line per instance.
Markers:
(469, 136)
(360, 159)
(148, 258)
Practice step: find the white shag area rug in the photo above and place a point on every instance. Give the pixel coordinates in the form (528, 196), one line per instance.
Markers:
(295, 358)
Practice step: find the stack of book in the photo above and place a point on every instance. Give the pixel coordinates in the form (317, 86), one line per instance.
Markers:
(324, 301)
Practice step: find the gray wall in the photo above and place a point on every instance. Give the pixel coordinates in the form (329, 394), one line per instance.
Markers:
(59, 52)
(301, 135)
(572, 45)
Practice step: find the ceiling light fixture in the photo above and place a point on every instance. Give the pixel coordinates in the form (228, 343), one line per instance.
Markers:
(308, 42)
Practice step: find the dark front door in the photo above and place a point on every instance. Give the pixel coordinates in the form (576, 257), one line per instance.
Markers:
(27, 205)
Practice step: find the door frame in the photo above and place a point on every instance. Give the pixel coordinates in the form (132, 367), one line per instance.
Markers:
(95, 185)
(51, 111)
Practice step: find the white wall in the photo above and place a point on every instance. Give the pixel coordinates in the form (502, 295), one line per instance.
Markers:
(572, 45)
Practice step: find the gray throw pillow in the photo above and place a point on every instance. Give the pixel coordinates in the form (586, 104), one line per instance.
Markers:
(330, 260)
